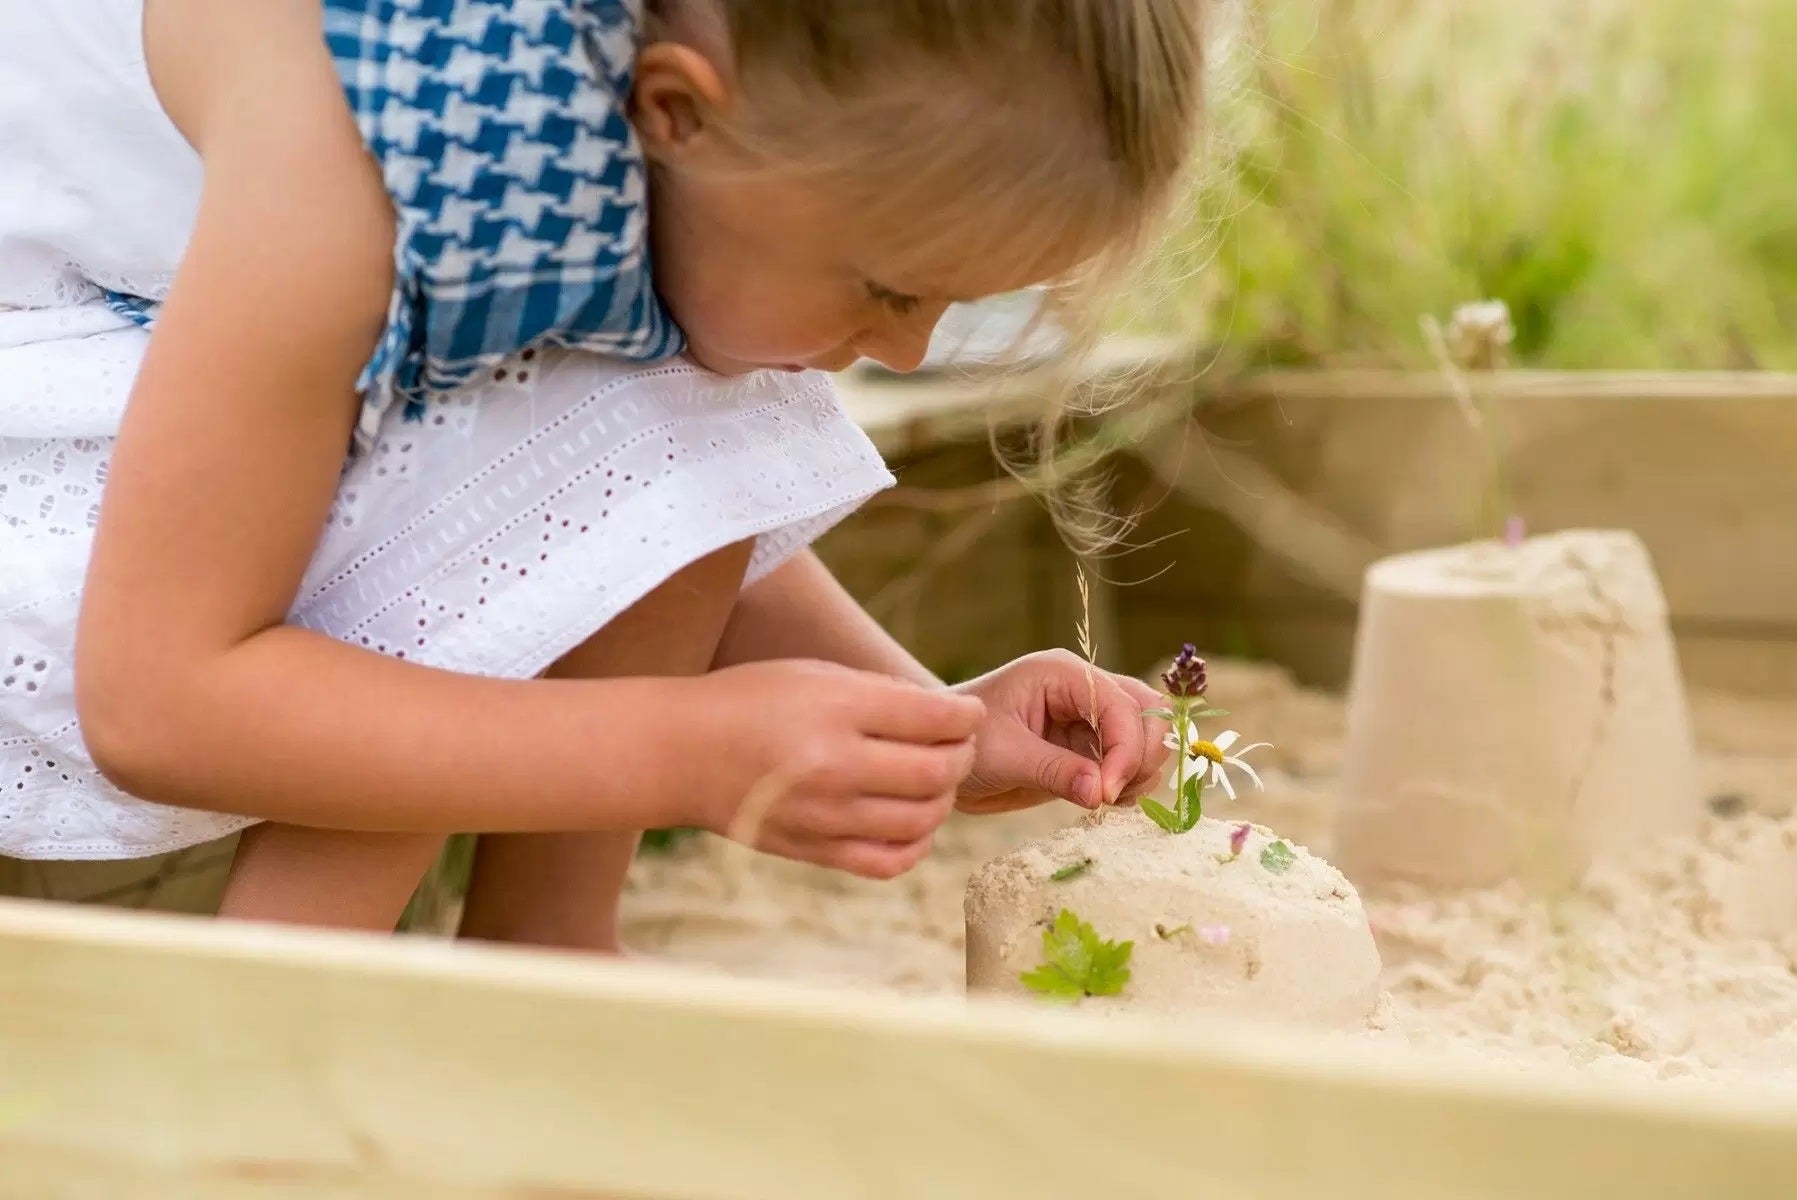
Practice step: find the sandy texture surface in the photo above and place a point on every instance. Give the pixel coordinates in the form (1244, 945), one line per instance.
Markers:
(1683, 965)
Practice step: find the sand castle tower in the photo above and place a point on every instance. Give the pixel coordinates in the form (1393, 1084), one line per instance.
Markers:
(1515, 712)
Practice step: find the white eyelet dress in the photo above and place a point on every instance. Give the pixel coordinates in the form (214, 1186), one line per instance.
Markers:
(488, 530)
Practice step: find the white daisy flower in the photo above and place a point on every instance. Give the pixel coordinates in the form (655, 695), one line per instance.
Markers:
(1215, 758)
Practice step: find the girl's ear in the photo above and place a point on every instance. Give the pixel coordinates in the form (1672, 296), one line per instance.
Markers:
(678, 96)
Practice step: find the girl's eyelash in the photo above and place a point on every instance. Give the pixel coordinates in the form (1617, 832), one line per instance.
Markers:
(899, 303)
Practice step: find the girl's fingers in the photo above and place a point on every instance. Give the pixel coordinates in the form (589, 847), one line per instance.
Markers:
(879, 818)
(1015, 754)
(1132, 749)
(861, 853)
(876, 860)
(1144, 696)
(1154, 730)
(1003, 802)
(1123, 734)
(882, 768)
(907, 712)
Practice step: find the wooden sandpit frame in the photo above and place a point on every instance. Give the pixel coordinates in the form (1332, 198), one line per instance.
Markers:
(169, 1058)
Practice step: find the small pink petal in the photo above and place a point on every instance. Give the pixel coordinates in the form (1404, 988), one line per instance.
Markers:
(1213, 935)
(1514, 530)
(1238, 838)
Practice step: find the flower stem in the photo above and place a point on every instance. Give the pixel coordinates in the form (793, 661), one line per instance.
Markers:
(1181, 706)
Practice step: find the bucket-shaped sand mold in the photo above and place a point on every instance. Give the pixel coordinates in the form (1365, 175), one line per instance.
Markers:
(1514, 712)
(1213, 931)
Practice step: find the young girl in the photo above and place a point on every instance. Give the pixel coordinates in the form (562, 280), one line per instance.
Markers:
(414, 522)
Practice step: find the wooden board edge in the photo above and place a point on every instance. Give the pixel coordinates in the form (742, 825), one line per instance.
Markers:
(200, 1056)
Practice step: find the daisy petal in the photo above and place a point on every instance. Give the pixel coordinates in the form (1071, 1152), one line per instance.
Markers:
(1228, 787)
(1248, 771)
(1226, 739)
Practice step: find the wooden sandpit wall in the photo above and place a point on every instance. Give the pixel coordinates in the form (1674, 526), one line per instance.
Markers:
(1265, 504)
(168, 1058)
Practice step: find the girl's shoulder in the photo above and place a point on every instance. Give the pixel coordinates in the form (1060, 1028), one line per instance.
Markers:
(502, 131)
(214, 60)
(505, 58)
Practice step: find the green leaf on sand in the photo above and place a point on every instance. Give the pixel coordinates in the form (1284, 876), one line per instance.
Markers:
(1191, 802)
(1052, 982)
(1077, 962)
(1158, 813)
(1277, 857)
(1072, 870)
(1187, 809)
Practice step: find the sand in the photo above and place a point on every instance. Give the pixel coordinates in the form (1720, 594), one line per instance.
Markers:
(1212, 930)
(1683, 965)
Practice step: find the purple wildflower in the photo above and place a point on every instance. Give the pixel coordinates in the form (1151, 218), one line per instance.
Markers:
(1514, 530)
(1238, 837)
(1213, 935)
(1187, 677)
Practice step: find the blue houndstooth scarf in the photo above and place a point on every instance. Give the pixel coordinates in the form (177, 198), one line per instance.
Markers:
(520, 191)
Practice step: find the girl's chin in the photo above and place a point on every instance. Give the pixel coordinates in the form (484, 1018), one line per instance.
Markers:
(723, 364)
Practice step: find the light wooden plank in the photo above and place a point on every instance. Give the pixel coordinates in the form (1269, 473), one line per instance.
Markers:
(908, 414)
(162, 1058)
(1572, 386)
(1316, 471)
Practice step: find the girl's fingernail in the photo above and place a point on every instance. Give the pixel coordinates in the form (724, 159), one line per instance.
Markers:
(1086, 791)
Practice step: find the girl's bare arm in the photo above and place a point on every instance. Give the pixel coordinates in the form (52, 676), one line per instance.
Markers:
(191, 689)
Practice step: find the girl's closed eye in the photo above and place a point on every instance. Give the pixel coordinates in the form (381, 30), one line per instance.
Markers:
(897, 303)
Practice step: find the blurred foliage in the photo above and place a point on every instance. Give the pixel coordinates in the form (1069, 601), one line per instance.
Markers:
(1623, 173)
(662, 841)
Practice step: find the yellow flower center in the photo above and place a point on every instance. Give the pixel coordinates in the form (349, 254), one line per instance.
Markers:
(1203, 749)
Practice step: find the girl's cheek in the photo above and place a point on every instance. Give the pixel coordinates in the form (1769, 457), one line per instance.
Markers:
(797, 324)
(767, 311)
(757, 331)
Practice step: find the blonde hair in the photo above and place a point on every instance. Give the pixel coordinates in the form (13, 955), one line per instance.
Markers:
(1052, 120)
(1100, 99)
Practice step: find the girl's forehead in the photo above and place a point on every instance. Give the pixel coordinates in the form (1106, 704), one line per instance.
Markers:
(934, 218)
(960, 251)
(960, 199)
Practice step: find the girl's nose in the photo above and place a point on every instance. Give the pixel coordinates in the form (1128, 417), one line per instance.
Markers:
(902, 359)
(901, 346)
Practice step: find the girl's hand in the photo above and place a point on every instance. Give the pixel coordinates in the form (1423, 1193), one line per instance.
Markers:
(828, 765)
(1037, 742)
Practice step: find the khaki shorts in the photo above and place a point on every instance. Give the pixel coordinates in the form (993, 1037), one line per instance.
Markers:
(193, 881)
(183, 881)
